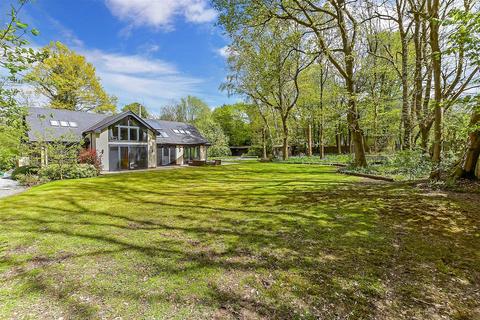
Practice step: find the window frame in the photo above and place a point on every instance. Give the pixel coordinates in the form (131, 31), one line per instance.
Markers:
(140, 130)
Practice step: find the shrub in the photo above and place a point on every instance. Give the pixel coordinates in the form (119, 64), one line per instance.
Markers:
(331, 158)
(30, 180)
(219, 151)
(82, 171)
(73, 171)
(414, 164)
(24, 170)
(90, 156)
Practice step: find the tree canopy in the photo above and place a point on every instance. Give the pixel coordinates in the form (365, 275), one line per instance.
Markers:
(388, 75)
(138, 108)
(235, 122)
(69, 81)
(16, 57)
(195, 111)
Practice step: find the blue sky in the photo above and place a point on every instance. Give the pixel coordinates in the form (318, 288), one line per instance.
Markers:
(150, 51)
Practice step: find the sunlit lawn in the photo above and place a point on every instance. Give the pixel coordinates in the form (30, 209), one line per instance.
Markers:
(240, 241)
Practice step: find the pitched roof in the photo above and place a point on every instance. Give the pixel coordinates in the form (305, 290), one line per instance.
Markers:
(192, 138)
(40, 128)
(107, 121)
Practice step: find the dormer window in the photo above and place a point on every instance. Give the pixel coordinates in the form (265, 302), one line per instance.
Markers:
(175, 131)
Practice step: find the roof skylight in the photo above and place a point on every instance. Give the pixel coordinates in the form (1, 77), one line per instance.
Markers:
(175, 130)
(64, 123)
(54, 123)
(73, 124)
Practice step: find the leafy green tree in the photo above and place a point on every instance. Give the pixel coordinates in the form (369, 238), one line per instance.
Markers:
(466, 39)
(138, 108)
(195, 111)
(235, 123)
(15, 58)
(59, 153)
(188, 109)
(331, 27)
(212, 131)
(69, 81)
(266, 68)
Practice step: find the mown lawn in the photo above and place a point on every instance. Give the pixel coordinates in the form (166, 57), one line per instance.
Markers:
(241, 241)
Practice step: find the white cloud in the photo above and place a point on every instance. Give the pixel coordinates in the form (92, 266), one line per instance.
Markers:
(128, 64)
(160, 13)
(157, 90)
(68, 35)
(225, 51)
(131, 78)
(153, 82)
(151, 48)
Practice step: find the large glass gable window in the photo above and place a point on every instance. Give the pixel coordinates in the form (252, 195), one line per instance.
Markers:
(127, 130)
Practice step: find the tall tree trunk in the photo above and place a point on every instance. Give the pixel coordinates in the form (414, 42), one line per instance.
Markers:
(349, 76)
(418, 81)
(433, 6)
(375, 127)
(309, 140)
(318, 137)
(407, 129)
(346, 146)
(320, 133)
(338, 139)
(264, 143)
(323, 77)
(284, 138)
(426, 123)
(467, 168)
(348, 141)
(352, 119)
(321, 143)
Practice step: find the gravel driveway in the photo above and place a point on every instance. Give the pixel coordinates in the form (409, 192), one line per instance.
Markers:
(9, 187)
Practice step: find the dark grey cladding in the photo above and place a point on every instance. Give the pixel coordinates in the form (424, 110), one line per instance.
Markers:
(40, 128)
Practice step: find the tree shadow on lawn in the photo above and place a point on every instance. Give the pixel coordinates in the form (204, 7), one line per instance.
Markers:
(350, 250)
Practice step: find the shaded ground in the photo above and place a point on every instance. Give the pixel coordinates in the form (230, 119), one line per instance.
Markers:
(248, 241)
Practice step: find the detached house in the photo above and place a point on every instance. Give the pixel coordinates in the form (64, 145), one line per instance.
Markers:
(124, 141)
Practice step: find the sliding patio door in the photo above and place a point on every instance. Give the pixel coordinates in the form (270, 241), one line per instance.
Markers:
(166, 155)
(128, 158)
(173, 155)
(124, 163)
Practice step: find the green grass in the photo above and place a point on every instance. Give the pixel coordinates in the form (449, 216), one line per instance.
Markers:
(328, 159)
(253, 240)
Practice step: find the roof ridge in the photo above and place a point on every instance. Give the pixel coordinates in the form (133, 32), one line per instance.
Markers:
(72, 111)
